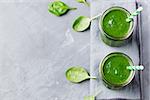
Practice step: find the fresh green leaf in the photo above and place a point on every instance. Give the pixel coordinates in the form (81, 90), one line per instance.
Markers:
(58, 8)
(93, 96)
(81, 23)
(77, 74)
(89, 98)
(84, 2)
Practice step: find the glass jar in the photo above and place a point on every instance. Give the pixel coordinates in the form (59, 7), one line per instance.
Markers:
(115, 31)
(114, 72)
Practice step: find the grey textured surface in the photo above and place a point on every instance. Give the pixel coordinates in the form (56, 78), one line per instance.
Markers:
(36, 48)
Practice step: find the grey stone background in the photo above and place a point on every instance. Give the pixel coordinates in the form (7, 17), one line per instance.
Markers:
(36, 48)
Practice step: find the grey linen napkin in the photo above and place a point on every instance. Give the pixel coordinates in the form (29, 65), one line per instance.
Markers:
(99, 50)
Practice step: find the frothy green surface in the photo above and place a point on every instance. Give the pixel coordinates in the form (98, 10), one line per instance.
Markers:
(115, 70)
(115, 25)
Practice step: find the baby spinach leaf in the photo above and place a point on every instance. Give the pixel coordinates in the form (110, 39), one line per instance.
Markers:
(59, 8)
(83, 1)
(77, 74)
(89, 98)
(81, 23)
(92, 97)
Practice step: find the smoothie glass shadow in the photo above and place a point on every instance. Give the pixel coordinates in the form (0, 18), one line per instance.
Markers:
(115, 31)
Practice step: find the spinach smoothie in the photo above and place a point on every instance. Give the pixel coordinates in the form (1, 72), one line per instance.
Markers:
(114, 70)
(115, 25)
(115, 30)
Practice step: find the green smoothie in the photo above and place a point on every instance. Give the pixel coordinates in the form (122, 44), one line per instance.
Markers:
(115, 31)
(115, 25)
(114, 70)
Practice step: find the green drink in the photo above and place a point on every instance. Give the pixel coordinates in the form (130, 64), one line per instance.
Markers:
(115, 31)
(114, 70)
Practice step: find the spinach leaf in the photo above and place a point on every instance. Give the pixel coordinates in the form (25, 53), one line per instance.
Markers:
(84, 2)
(59, 8)
(77, 74)
(89, 98)
(81, 23)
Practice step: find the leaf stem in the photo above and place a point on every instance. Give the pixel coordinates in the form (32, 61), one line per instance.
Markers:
(91, 77)
(97, 92)
(86, 3)
(96, 16)
(72, 8)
